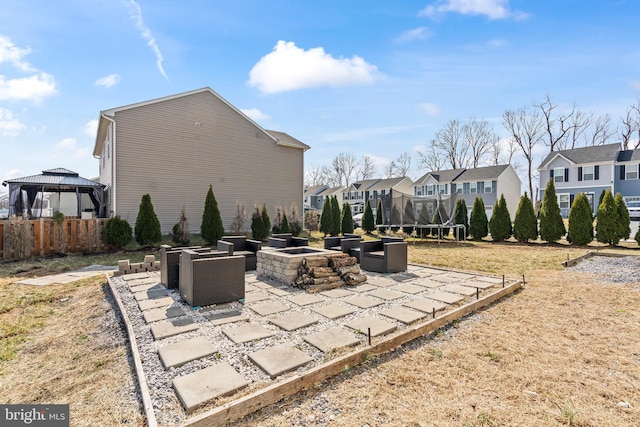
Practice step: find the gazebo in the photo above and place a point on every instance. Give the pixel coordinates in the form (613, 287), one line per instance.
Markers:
(24, 192)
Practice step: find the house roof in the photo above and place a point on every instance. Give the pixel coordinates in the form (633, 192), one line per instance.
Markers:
(59, 177)
(597, 153)
(106, 116)
(441, 176)
(364, 185)
(628, 156)
(314, 189)
(481, 174)
(331, 191)
(387, 183)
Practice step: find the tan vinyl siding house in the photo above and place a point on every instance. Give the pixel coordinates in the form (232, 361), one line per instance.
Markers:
(175, 147)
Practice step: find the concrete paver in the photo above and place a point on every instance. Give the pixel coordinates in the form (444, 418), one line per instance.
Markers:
(363, 288)
(337, 293)
(147, 287)
(386, 294)
(168, 328)
(279, 359)
(226, 317)
(380, 281)
(163, 313)
(181, 352)
(404, 314)
(459, 289)
(293, 321)
(281, 292)
(333, 310)
(305, 299)
(447, 297)
(425, 305)
(378, 326)
(150, 294)
(408, 288)
(493, 280)
(331, 339)
(428, 283)
(474, 283)
(135, 276)
(457, 275)
(206, 384)
(364, 301)
(245, 333)
(255, 296)
(268, 307)
(148, 304)
(443, 278)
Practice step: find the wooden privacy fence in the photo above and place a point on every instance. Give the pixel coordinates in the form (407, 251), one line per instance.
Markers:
(22, 239)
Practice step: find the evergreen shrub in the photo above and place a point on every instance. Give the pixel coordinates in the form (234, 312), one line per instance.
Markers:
(147, 229)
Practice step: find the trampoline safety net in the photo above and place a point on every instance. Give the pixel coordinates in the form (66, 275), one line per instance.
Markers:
(403, 210)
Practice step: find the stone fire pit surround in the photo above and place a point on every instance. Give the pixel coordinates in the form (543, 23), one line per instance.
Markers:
(282, 264)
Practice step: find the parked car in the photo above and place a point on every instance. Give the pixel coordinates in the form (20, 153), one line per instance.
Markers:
(357, 220)
(634, 209)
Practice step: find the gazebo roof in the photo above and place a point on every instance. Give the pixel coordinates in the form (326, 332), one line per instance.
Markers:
(58, 179)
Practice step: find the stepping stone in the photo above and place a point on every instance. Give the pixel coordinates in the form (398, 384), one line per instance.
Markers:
(148, 304)
(250, 278)
(280, 359)
(169, 328)
(278, 292)
(156, 314)
(386, 294)
(305, 299)
(225, 317)
(381, 282)
(378, 326)
(144, 284)
(403, 314)
(135, 276)
(148, 287)
(403, 277)
(432, 271)
(246, 333)
(425, 305)
(333, 310)
(150, 294)
(457, 275)
(364, 301)
(255, 296)
(444, 279)
(478, 284)
(179, 353)
(262, 285)
(269, 307)
(494, 280)
(428, 283)
(332, 339)
(458, 289)
(363, 288)
(217, 307)
(293, 321)
(408, 288)
(447, 297)
(206, 384)
(336, 293)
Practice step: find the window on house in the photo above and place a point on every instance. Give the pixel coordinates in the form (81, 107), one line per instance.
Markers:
(488, 187)
(558, 175)
(430, 190)
(473, 187)
(631, 172)
(418, 191)
(587, 173)
(563, 201)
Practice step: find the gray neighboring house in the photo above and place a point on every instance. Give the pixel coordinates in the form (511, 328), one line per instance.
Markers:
(327, 193)
(627, 175)
(488, 182)
(588, 170)
(174, 147)
(312, 200)
(372, 190)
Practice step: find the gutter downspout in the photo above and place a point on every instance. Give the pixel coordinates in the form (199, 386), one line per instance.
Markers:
(113, 163)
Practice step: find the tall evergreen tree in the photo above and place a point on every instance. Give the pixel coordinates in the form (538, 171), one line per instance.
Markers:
(326, 218)
(500, 224)
(580, 221)
(525, 225)
(211, 227)
(478, 224)
(367, 219)
(623, 213)
(347, 219)
(607, 227)
(551, 223)
(284, 228)
(258, 231)
(266, 222)
(147, 229)
(335, 216)
(379, 212)
(602, 193)
(462, 215)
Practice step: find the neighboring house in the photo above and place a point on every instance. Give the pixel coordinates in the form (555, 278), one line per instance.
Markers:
(326, 194)
(488, 182)
(311, 198)
(588, 170)
(372, 190)
(626, 179)
(174, 147)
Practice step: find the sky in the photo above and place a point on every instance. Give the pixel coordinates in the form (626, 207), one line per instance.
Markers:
(374, 78)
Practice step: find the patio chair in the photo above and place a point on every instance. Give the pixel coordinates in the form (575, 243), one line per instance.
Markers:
(242, 246)
(211, 277)
(286, 240)
(169, 262)
(349, 244)
(387, 255)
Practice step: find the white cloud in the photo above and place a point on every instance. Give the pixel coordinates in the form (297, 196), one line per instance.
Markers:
(145, 32)
(289, 67)
(430, 108)
(13, 173)
(419, 33)
(34, 88)
(635, 84)
(9, 52)
(492, 9)
(91, 128)
(255, 114)
(108, 81)
(9, 125)
(67, 144)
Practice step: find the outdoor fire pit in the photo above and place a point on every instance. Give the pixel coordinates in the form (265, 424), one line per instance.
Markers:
(282, 264)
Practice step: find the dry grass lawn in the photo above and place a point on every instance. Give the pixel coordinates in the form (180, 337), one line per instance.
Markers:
(562, 351)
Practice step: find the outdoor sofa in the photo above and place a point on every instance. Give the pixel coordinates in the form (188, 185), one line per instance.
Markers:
(387, 255)
(240, 245)
(286, 240)
(170, 261)
(349, 244)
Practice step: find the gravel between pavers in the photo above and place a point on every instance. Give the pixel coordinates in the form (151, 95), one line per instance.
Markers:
(167, 407)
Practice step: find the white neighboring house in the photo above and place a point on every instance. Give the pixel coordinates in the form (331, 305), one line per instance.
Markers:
(372, 190)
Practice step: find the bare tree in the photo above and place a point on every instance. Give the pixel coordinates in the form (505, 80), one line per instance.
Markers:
(628, 127)
(390, 169)
(556, 128)
(314, 176)
(432, 160)
(449, 140)
(366, 168)
(578, 124)
(527, 128)
(403, 165)
(329, 177)
(601, 131)
(479, 137)
(343, 167)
